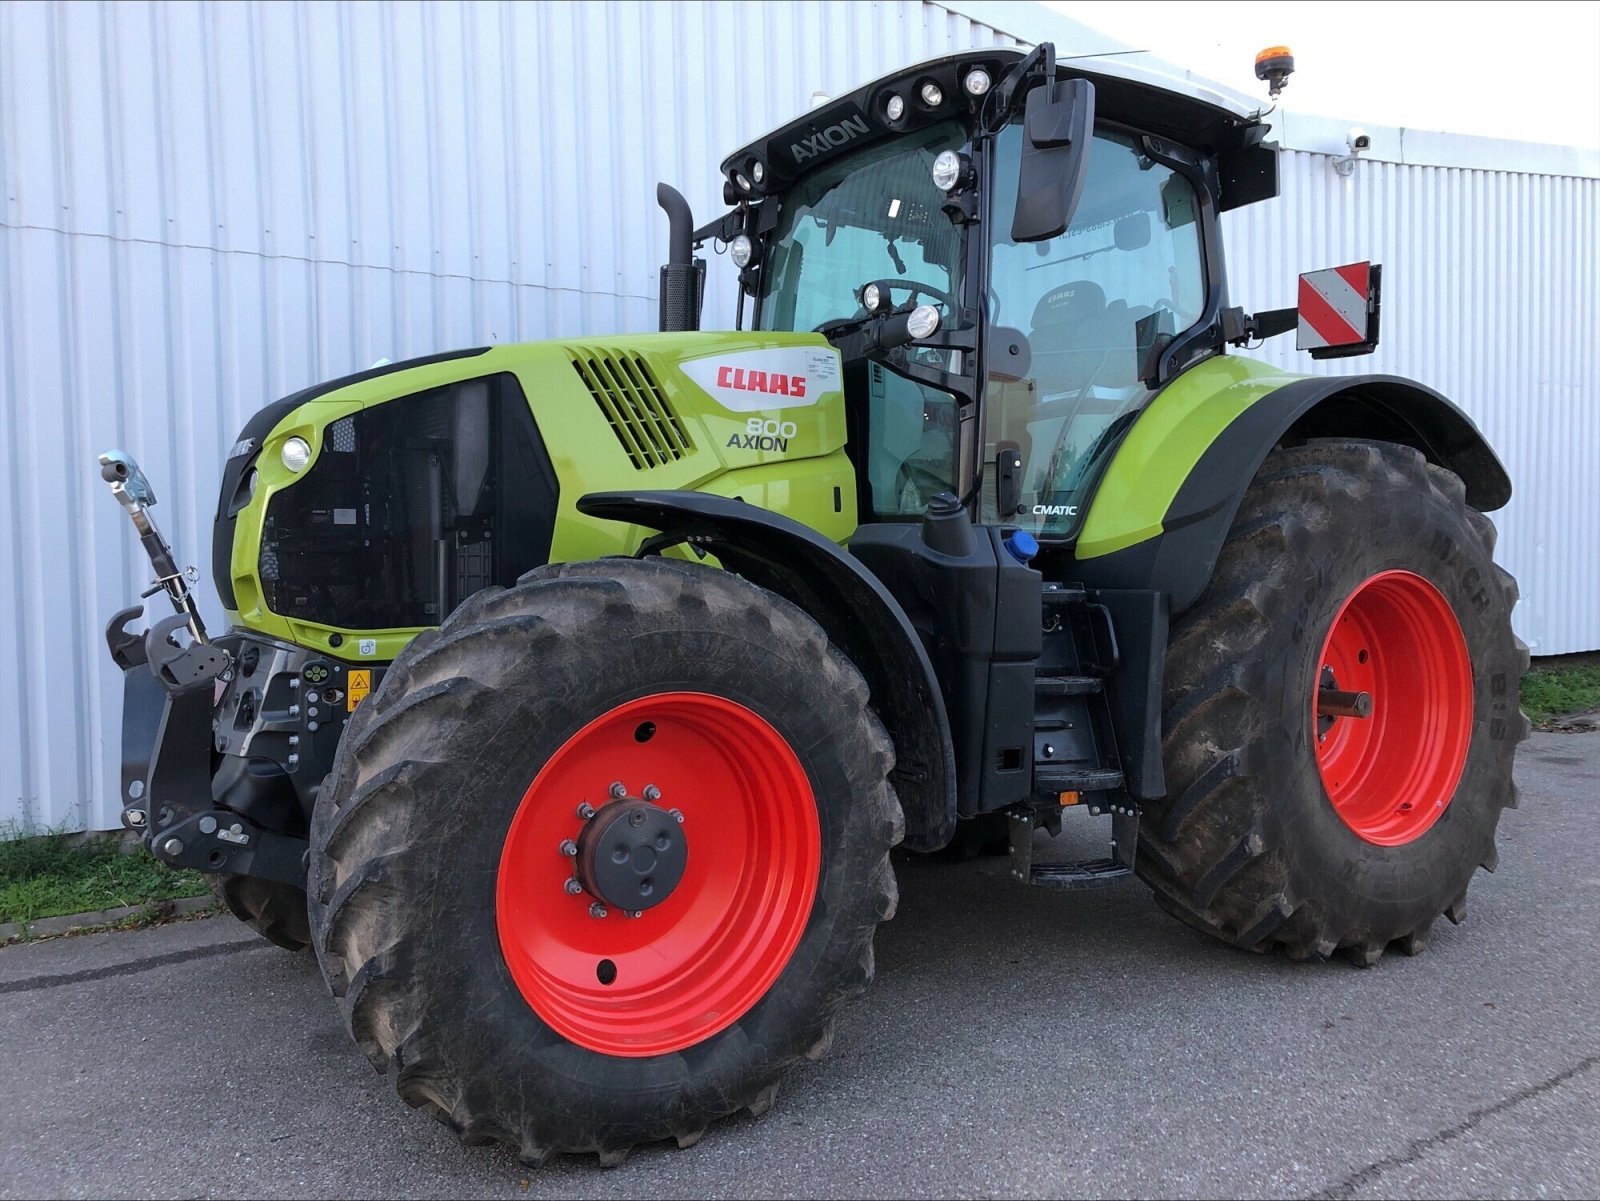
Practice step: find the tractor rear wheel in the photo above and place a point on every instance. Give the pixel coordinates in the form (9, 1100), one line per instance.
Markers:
(603, 857)
(1292, 818)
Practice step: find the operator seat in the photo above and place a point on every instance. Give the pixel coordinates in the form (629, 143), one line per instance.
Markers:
(1069, 337)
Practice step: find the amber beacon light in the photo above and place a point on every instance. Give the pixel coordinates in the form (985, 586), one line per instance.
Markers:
(1275, 64)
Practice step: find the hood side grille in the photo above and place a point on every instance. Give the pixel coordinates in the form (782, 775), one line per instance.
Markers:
(646, 426)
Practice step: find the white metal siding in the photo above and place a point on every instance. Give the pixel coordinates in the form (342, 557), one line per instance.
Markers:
(207, 206)
(1491, 295)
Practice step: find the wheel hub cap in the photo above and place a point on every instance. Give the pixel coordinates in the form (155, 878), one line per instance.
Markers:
(631, 855)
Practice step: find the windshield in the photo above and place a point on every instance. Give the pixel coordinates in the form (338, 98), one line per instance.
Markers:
(873, 215)
(1094, 307)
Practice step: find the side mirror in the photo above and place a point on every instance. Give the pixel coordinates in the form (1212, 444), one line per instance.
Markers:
(1057, 128)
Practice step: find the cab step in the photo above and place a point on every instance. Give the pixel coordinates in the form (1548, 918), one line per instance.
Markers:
(1084, 873)
(1089, 873)
(1050, 778)
(1057, 685)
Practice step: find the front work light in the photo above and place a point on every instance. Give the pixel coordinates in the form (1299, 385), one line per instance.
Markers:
(932, 94)
(741, 250)
(976, 82)
(296, 454)
(946, 170)
(923, 322)
(895, 107)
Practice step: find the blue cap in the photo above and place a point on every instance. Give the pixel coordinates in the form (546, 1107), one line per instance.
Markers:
(1022, 545)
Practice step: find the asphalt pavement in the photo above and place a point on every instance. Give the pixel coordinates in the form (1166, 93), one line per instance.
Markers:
(1017, 1043)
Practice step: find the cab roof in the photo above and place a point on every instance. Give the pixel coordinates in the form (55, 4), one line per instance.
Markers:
(1182, 110)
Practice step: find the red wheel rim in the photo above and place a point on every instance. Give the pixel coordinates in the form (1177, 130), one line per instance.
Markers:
(1391, 775)
(697, 961)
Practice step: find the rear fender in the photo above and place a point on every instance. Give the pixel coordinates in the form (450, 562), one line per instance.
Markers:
(1196, 468)
(858, 614)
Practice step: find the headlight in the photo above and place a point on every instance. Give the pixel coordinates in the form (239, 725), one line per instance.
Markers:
(741, 250)
(895, 107)
(923, 322)
(296, 454)
(932, 94)
(946, 170)
(871, 296)
(976, 82)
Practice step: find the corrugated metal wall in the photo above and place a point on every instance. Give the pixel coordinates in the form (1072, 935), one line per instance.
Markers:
(208, 206)
(1491, 295)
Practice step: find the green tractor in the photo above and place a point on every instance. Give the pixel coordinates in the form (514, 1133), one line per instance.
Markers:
(575, 693)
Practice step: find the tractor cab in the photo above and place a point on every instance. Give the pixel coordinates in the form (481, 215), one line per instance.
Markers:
(1011, 256)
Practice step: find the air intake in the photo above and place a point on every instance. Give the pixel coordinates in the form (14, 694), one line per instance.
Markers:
(640, 416)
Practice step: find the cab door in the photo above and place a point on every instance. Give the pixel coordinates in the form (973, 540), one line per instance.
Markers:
(1079, 322)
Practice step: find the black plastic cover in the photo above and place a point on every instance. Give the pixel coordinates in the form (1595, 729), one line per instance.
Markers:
(410, 507)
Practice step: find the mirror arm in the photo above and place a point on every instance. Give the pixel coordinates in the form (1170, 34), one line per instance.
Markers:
(1240, 328)
(1038, 67)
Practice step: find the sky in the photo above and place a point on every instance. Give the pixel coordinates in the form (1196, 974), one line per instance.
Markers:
(1524, 71)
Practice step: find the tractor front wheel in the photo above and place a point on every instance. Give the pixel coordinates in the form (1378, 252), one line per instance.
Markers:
(1341, 711)
(274, 910)
(602, 858)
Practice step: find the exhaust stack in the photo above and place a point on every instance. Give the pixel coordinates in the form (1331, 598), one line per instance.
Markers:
(683, 276)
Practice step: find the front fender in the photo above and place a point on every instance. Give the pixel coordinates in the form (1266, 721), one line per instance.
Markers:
(1169, 496)
(858, 614)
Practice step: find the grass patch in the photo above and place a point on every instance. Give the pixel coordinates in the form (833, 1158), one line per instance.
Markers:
(1561, 685)
(52, 874)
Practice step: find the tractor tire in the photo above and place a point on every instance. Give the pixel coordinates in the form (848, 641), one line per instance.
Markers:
(1351, 567)
(273, 910)
(459, 903)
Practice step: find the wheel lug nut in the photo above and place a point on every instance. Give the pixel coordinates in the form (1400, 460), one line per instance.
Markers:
(618, 791)
(597, 910)
(677, 815)
(572, 885)
(568, 847)
(636, 913)
(585, 810)
(652, 793)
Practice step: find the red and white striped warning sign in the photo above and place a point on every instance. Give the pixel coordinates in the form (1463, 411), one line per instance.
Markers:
(1333, 306)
